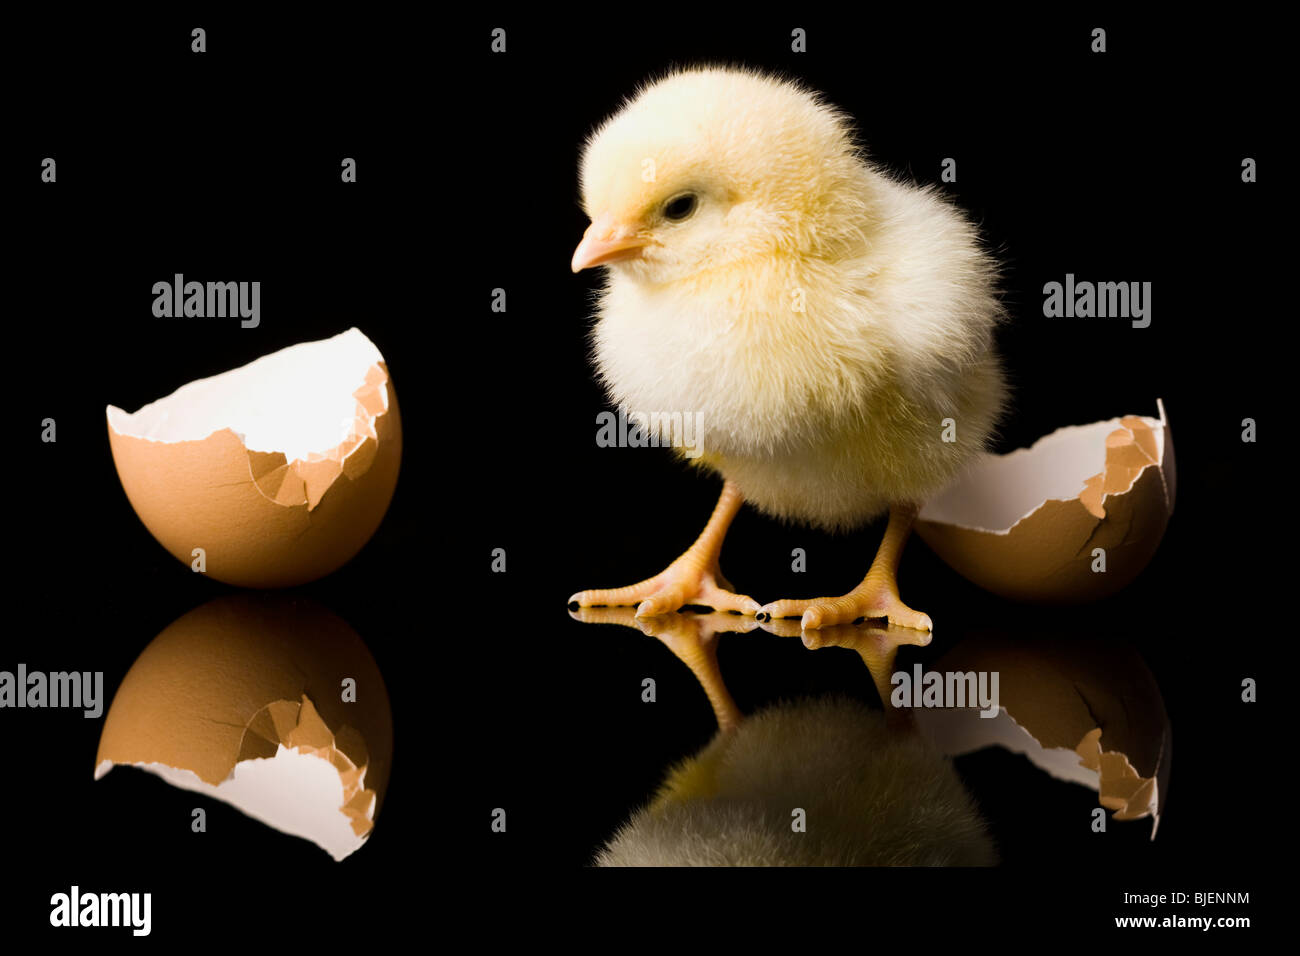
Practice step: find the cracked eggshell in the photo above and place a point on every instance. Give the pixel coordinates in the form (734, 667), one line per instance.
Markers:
(1025, 525)
(280, 470)
(241, 700)
(1085, 711)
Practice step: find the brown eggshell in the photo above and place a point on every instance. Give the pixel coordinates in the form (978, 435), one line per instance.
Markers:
(1088, 711)
(1119, 476)
(264, 522)
(237, 677)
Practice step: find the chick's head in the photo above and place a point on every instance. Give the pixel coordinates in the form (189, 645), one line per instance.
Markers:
(709, 167)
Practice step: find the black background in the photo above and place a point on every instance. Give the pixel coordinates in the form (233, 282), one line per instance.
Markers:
(1122, 166)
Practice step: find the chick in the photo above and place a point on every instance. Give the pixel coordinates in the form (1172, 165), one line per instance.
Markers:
(831, 327)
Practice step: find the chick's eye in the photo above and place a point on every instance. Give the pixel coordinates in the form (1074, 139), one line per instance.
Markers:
(680, 207)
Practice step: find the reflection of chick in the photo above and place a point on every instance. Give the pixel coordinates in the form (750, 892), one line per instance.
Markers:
(870, 796)
(872, 791)
(822, 319)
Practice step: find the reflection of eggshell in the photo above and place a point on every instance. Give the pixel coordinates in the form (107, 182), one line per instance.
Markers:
(241, 700)
(1086, 712)
(1027, 525)
(280, 471)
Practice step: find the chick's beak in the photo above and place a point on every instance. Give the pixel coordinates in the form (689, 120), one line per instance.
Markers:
(605, 241)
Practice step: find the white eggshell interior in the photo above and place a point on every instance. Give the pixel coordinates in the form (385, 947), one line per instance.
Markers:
(296, 793)
(999, 490)
(298, 400)
(956, 731)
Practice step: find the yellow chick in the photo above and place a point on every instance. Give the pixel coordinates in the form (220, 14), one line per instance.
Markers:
(828, 327)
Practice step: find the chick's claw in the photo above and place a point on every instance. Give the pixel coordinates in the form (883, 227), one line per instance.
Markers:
(682, 583)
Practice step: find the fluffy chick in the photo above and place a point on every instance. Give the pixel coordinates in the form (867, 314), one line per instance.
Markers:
(824, 320)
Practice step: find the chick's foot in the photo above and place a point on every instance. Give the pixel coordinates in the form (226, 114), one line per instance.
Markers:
(876, 597)
(693, 578)
(683, 582)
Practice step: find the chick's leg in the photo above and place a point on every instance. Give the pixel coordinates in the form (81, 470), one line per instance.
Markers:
(694, 578)
(877, 595)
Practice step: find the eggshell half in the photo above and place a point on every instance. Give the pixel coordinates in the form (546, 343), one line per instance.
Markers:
(1025, 525)
(1085, 711)
(241, 699)
(280, 471)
